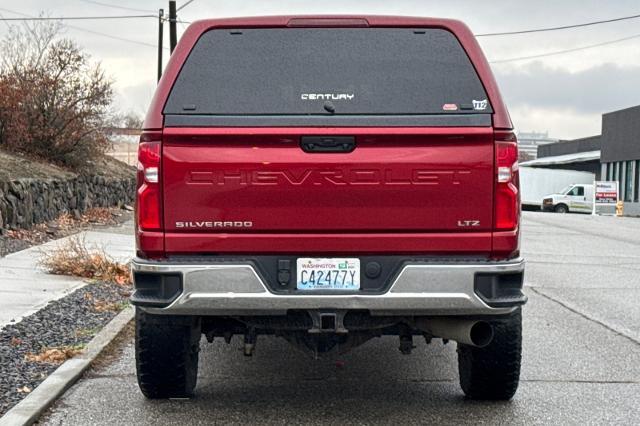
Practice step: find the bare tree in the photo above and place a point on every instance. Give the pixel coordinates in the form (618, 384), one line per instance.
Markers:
(128, 120)
(53, 102)
(132, 121)
(524, 156)
(24, 47)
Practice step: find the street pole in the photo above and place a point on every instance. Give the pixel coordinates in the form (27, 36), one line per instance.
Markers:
(173, 37)
(160, 36)
(595, 185)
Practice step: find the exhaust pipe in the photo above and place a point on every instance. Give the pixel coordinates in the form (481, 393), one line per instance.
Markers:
(468, 332)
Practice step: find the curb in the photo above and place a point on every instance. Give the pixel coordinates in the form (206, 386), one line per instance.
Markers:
(29, 410)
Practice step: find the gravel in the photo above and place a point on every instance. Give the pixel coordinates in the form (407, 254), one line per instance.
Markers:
(70, 321)
(12, 245)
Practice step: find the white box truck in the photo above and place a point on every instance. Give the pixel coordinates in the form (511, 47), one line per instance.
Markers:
(538, 184)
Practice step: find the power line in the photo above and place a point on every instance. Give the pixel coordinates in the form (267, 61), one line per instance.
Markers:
(5, 22)
(183, 6)
(26, 17)
(560, 52)
(71, 18)
(133, 9)
(113, 37)
(564, 27)
(141, 43)
(529, 31)
(76, 18)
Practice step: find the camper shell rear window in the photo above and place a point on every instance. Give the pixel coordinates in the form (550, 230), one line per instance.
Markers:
(291, 75)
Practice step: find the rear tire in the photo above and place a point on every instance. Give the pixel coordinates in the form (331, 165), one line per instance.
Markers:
(493, 372)
(167, 349)
(561, 208)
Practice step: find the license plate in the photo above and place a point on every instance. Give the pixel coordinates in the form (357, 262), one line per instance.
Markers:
(328, 274)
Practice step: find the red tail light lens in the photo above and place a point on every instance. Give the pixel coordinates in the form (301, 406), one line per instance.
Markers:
(149, 196)
(507, 210)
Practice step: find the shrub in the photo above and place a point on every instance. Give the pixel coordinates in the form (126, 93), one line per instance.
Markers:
(74, 258)
(53, 101)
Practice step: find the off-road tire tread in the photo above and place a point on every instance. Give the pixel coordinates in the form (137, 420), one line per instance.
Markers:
(493, 372)
(166, 355)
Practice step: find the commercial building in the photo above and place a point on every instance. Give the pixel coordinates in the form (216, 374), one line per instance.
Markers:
(620, 154)
(577, 154)
(612, 156)
(528, 143)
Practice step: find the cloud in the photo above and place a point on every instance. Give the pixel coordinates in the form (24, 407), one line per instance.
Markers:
(561, 123)
(596, 90)
(565, 94)
(134, 98)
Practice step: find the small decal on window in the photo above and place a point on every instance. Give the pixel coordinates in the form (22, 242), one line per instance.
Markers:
(449, 107)
(480, 105)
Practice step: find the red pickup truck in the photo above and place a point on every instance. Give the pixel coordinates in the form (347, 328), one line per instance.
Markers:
(328, 180)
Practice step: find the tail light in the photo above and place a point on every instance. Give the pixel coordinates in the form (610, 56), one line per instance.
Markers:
(149, 195)
(507, 193)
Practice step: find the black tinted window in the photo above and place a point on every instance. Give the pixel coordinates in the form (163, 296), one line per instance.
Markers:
(296, 71)
(577, 191)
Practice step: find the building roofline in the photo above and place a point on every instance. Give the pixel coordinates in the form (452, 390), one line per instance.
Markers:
(578, 157)
(578, 139)
(623, 109)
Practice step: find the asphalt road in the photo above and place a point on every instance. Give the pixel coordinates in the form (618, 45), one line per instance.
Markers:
(581, 360)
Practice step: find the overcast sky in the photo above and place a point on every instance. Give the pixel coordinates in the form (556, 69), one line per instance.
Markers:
(563, 94)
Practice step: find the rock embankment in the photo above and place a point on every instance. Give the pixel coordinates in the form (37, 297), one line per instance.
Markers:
(26, 201)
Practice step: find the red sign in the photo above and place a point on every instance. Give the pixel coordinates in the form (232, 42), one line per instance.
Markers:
(606, 192)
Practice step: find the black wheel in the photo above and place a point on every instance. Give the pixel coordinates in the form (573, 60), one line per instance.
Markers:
(167, 354)
(493, 372)
(561, 208)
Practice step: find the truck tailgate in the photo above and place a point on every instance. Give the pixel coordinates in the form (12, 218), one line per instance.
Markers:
(256, 181)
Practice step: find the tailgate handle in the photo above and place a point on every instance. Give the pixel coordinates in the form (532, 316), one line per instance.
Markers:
(328, 143)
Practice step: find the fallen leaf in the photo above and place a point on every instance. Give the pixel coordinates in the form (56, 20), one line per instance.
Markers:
(104, 306)
(54, 355)
(24, 389)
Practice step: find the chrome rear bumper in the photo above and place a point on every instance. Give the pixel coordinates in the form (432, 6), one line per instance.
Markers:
(447, 288)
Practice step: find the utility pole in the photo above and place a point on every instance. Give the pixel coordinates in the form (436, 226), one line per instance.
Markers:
(173, 36)
(160, 37)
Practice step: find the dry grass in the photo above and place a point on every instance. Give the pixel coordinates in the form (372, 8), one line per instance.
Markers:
(65, 224)
(55, 355)
(74, 258)
(95, 215)
(100, 305)
(104, 306)
(15, 166)
(86, 332)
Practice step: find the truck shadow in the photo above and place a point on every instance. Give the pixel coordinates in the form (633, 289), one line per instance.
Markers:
(372, 384)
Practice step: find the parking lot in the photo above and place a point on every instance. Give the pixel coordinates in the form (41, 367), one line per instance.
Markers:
(581, 361)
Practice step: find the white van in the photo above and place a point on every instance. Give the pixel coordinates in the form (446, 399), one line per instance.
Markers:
(573, 198)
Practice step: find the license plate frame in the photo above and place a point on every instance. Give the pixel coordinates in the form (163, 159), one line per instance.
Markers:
(328, 274)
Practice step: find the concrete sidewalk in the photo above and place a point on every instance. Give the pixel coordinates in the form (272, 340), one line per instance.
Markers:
(25, 288)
